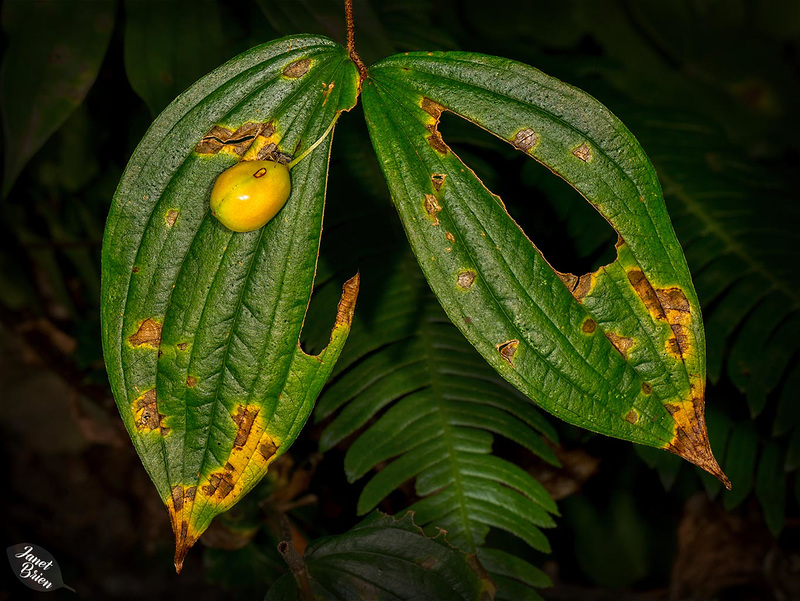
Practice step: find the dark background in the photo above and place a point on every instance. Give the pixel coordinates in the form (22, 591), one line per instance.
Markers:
(710, 87)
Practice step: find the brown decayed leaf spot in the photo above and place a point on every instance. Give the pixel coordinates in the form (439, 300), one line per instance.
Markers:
(507, 350)
(465, 279)
(148, 334)
(525, 139)
(297, 69)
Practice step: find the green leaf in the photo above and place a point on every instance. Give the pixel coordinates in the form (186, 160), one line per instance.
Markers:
(612, 546)
(200, 324)
(733, 220)
(433, 408)
(619, 351)
(168, 45)
(385, 558)
(740, 462)
(771, 487)
(516, 580)
(53, 56)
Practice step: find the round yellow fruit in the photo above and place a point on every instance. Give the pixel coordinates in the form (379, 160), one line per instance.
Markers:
(249, 194)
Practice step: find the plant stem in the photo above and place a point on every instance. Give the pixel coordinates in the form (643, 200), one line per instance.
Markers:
(351, 39)
(315, 144)
(298, 567)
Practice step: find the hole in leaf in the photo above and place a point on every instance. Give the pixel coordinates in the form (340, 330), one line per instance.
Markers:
(572, 235)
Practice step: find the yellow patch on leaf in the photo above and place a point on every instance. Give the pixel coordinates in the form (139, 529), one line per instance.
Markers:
(690, 440)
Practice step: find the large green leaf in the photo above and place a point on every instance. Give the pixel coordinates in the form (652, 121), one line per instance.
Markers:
(383, 559)
(53, 56)
(200, 324)
(619, 351)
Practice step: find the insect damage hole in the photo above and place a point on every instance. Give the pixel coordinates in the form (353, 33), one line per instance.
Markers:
(568, 230)
(507, 350)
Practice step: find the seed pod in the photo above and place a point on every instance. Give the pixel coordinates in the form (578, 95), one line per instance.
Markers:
(249, 194)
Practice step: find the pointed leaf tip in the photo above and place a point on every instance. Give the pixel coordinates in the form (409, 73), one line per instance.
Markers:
(691, 438)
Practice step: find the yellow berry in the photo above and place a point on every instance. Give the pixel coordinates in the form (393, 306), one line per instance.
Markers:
(249, 194)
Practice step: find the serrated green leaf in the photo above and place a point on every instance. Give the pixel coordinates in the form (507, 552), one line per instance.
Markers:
(200, 324)
(620, 351)
(386, 559)
(53, 56)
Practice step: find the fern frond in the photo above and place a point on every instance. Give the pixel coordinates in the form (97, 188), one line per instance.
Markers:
(430, 409)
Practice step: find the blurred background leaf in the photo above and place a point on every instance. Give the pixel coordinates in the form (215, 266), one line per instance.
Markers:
(170, 45)
(53, 55)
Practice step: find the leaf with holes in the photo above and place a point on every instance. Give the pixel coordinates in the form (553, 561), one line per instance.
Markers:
(200, 324)
(620, 351)
(382, 558)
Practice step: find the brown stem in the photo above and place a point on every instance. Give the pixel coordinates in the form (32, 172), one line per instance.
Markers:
(298, 567)
(351, 39)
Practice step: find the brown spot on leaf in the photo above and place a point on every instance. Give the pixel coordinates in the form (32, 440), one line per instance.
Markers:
(583, 152)
(268, 449)
(191, 381)
(666, 304)
(237, 141)
(525, 139)
(691, 437)
(220, 484)
(347, 304)
(297, 69)
(268, 152)
(135, 270)
(450, 237)
(177, 497)
(578, 286)
(465, 279)
(673, 299)
(632, 417)
(646, 388)
(589, 326)
(645, 291)
(244, 419)
(437, 179)
(434, 109)
(435, 139)
(171, 217)
(427, 563)
(507, 350)
(181, 346)
(148, 334)
(621, 343)
(145, 412)
(432, 207)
